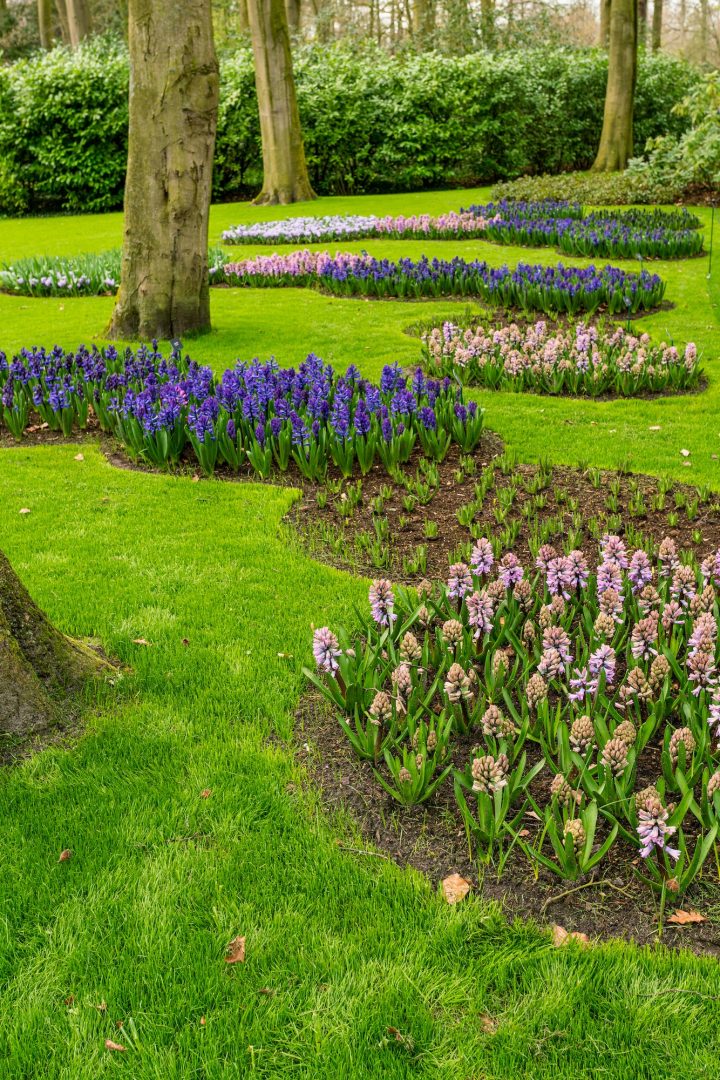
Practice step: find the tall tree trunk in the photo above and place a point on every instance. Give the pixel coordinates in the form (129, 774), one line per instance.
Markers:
(423, 20)
(605, 22)
(657, 25)
(45, 23)
(642, 12)
(39, 666)
(616, 141)
(164, 290)
(285, 175)
(293, 11)
(487, 23)
(78, 17)
(63, 20)
(704, 31)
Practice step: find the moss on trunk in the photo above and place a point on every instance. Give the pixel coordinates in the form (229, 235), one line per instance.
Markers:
(39, 667)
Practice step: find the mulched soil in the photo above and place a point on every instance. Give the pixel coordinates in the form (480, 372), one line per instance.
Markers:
(609, 903)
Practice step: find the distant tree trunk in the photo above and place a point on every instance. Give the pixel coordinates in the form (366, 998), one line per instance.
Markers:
(657, 25)
(293, 12)
(164, 290)
(39, 666)
(642, 10)
(704, 32)
(616, 141)
(605, 22)
(487, 23)
(423, 20)
(45, 23)
(63, 20)
(78, 18)
(285, 175)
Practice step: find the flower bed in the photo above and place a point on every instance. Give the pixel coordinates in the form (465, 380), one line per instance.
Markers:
(634, 233)
(579, 360)
(255, 414)
(312, 230)
(549, 289)
(592, 692)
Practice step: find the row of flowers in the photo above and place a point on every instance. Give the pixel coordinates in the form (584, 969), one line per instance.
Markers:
(575, 679)
(256, 414)
(627, 234)
(580, 360)
(549, 289)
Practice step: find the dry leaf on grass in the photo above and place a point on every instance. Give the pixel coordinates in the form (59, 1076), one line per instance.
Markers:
(685, 453)
(206, 793)
(561, 936)
(455, 888)
(236, 951)
(488, 1023)
(110, 1045)
(79, 457)
(140, 641)
(25, 510)
(65, 854)
(682, 918)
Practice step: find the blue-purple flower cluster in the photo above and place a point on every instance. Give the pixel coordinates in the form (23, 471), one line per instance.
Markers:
(657, 234)
(256, 413)
(550, 289)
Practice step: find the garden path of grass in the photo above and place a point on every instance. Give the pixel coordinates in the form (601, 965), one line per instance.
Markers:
(345, 945)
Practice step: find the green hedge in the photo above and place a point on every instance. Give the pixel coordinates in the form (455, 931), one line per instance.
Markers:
(371, 122)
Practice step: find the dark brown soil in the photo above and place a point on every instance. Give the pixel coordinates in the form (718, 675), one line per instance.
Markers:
(576, 501)
(609, 903)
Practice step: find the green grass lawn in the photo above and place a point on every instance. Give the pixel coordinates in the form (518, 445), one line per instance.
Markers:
(340, 947)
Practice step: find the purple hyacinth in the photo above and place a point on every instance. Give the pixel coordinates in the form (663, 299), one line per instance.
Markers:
(614, 551)
(544, 556)
(382, 602)
(325, 648)
(510, 571)
(653, 832)
(577, 569)
(609, 576)
(459, 581)
(581, 685)
(640, 572)
(482, 558)
(560, 578)
(603, 660)
(480, 613)
(551, 664)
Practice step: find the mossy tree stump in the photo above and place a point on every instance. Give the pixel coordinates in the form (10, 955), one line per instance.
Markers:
(40, 668)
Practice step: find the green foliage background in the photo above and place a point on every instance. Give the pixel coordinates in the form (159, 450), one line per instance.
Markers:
(372, 122)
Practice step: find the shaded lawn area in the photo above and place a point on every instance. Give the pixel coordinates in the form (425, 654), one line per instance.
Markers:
(340, 947)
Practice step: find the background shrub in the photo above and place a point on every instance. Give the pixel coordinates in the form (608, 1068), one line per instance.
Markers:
(372, 122)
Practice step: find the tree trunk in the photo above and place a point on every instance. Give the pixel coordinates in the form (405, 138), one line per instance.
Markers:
(44, 13)
(39, 666)
(292, 10)
(605, 23)
(63, 20)
(164, 291)
(616, 141)
(704, 33)
(657, 25)
(642, 9)
(285, 175)
(487, 23)
(78, 18)
(423, 20)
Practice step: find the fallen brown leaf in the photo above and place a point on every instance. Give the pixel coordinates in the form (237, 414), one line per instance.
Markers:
(70, 1000)
(25, 510)
(561, 936)
(102, 1007)
(236, 951)
(110, 1045)
(488, 1023)
(65, 855)
(455, 888)
(140, 641)
(682, 918)
(79, 457)
(186, 641)
(206, 793)
(202, 1021)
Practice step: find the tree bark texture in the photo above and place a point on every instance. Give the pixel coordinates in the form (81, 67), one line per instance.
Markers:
(616, 140)
(605, 22)
(657, 25)
(39, 666)
(164, 291)
(45, 23)
(293, 12)
(285, 175)
(78, 19)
